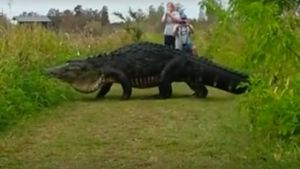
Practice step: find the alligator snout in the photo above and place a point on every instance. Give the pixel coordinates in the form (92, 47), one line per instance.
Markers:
(53, 72)
(48, 72)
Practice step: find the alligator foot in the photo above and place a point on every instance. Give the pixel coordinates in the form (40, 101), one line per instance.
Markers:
(158, 96)
(125, 97)
(103, 91)
(99, 97)
(199, 89)
(201, 93)
(165, 90)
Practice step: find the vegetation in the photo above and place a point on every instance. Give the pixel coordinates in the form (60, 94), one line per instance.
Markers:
(266, 43)
(24, 53)
(260, 37)
(97, 22)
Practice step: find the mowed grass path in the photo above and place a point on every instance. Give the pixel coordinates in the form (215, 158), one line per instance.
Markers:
(182, 132)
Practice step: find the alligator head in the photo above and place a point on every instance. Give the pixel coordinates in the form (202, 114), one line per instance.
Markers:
(80, 74)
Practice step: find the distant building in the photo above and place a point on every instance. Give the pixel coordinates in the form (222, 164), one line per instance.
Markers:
(28, 20)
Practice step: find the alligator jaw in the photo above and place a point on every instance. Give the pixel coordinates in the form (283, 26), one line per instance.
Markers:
(85, 89)
(89, 87)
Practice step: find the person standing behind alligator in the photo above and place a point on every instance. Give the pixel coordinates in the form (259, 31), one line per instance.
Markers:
(170, 18)
(182, 32)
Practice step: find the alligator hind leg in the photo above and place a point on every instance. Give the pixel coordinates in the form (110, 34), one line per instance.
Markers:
(168, 74)
(165, 90)
(200, 90)
(104, 90)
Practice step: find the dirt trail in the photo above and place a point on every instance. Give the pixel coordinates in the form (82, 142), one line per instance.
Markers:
(181, 132)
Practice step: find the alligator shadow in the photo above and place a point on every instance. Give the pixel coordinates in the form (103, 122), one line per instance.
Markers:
(211, 98)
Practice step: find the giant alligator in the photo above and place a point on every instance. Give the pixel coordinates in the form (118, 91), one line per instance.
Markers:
(146, 65)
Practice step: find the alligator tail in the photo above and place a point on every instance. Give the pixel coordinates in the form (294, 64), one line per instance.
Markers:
(220, 77)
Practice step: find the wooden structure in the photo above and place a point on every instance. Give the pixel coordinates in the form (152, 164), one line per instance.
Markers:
(29, 20)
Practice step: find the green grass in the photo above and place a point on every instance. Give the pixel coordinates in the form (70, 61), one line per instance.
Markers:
(24, 54)
(182, 132)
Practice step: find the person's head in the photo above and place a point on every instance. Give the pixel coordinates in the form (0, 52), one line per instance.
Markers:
(184, 19)
(170, 6)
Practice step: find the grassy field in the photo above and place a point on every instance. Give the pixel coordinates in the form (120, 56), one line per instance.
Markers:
(45, 126)
(182, 132)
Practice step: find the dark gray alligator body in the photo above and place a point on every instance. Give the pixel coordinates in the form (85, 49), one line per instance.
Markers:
(145, 65)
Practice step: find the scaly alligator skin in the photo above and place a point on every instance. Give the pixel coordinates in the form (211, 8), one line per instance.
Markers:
(146, 65)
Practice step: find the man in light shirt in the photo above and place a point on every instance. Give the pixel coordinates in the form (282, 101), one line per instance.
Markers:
(182, 32)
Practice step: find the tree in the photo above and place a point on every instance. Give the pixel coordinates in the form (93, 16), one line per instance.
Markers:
(202, 12)
(154, 18)
(161, 9)
(137, 16)
(104, 16)
(55, 16)
(213, 9)
(132, 23)
(283, 5)
(78, 10)
(29, 13)
(53, 13)
(67, 12)
(152, 11)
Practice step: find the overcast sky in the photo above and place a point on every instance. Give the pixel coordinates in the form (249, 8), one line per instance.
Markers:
(42, 6)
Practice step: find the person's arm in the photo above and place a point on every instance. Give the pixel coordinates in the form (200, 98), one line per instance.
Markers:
(164, 17)
(175, 29)
(175, 18)
(191, 28)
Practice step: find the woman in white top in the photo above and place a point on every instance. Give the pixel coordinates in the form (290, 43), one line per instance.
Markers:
(170, 18)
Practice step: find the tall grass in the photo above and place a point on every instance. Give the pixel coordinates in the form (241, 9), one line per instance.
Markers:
(255, 38)
(25, 52)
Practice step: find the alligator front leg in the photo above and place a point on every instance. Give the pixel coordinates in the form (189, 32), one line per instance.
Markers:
(121, 78)
(104, 90)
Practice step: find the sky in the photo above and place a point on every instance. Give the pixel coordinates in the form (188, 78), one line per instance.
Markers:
(42, 6)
